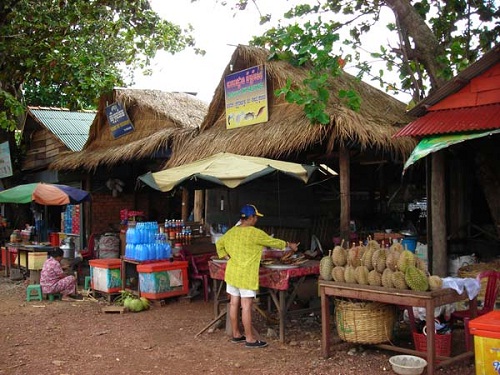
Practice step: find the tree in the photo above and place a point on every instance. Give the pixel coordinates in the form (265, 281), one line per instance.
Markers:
(436, 39)
(77, 49)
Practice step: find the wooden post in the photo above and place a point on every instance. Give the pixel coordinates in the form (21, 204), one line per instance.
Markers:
(438, 204)
(345, 192)
(185, 205)
(428, 189)
(198, 205)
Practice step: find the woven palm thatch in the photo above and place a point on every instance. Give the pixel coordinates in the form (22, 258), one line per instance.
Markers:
(288, 129)
(158, 118)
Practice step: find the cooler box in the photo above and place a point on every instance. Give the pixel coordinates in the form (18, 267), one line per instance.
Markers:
(486, 331)
(36, 260)
(105, 275)
(160, 280)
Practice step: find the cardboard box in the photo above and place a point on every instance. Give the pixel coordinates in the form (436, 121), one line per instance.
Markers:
(486, 331)
(165, 279)
(105, 275)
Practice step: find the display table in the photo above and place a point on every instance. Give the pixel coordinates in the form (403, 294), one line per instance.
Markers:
(428, 300)
(282, 286)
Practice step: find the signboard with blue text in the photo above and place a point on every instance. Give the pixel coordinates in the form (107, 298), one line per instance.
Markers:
(5, 161)
(246, 97)
(118, 120)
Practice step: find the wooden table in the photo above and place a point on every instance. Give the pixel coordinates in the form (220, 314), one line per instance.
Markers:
(282, 286)
(429, 300)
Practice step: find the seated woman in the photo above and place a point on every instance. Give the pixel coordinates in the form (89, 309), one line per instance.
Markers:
(54, 280)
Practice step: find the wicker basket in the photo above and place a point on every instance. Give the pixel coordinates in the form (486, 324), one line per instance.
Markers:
(364, 322)
(473, 270)
(442, 343)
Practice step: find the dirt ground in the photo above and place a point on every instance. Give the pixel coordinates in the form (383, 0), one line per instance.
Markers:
(69, 338)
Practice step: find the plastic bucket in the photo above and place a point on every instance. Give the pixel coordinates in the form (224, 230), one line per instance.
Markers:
(54, 239)
(409, 243)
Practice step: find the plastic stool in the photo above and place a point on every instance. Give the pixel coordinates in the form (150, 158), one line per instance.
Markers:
(34, 292)
(52, 296)
(87, 282)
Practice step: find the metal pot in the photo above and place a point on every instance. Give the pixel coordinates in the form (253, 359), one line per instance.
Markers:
(68, 248)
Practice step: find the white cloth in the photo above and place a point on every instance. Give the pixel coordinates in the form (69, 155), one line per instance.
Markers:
(472, 286)
(419, 312)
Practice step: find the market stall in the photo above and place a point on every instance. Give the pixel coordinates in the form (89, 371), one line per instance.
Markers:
(281, 281)
(428, 300)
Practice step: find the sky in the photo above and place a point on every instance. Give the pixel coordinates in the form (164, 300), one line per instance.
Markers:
(218, 30)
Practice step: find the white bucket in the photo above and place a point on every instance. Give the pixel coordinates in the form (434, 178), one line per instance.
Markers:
(455, 262)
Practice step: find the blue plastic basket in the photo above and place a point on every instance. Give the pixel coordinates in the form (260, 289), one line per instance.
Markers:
(409, 243)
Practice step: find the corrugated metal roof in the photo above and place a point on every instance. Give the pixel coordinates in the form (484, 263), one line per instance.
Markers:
(71, 127)
(457, 120)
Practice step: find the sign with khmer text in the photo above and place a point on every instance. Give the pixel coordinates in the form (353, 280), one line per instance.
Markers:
(246, 97)
(118, 120)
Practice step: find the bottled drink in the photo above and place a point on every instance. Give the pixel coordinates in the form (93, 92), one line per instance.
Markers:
(130, 251)
(140, 252)
(167, 250)
(151, 251)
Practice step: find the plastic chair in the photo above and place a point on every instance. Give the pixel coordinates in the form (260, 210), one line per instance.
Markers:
(490, 296)
(198, 269)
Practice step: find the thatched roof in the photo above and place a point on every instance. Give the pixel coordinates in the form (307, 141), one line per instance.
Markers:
(158, 118)
(288, 130)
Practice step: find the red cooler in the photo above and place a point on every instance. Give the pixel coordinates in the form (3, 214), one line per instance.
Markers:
(105, 275)
(160, 280)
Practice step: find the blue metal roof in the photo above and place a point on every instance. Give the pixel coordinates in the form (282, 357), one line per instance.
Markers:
(71, 127)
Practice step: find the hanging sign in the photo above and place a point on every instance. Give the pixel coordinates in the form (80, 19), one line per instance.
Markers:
(246, 97)
(118, 120)
(5, 162)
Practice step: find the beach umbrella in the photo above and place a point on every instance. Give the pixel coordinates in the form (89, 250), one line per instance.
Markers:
(226, 169)
(44, 194)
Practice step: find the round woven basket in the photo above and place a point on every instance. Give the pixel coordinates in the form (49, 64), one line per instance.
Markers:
(473, 270)
(364, 322)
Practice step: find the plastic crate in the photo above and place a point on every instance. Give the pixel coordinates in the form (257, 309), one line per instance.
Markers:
(442, 343)
(105, 275)
(486, 331)
(161, 280)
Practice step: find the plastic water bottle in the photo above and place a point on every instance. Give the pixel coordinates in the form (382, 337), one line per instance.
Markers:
(131, 236)
(167, 250)
(151, 251)
(140, 252)
(130, 251)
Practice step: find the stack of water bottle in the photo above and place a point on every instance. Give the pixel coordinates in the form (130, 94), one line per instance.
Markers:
(146, 243)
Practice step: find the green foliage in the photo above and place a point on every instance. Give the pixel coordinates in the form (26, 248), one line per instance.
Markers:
(309, 44)
(14, 108)
(78, 49)
(437, 39)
